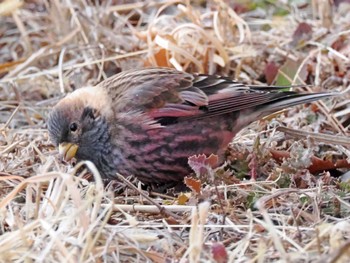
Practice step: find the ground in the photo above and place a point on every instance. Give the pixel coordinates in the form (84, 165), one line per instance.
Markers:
(283, 193)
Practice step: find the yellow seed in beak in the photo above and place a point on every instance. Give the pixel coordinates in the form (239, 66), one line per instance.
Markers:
(67, 150)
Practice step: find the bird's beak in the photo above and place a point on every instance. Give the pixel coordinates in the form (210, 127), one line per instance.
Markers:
(67, 150)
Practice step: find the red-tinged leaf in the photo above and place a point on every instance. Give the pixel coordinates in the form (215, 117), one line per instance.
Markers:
(320, 165)
(270, 72)
(253, 165)
(259, 228)
(302, 34)
(279, 155)
(219, 252)
(314, 107)
(113, 221)
(339, 43)
(302, 29)
(213, 161)
(240, 8)
(171, 221)
(203, 165)
(193, 184)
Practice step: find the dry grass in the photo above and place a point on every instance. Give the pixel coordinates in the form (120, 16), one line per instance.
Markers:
(48, 48)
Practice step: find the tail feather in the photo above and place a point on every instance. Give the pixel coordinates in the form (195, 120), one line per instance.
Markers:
(257, 105)
(292, 100)
(276, 88)
(275, 105)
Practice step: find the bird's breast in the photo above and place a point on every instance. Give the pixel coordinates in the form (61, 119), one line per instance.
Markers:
(161, 154)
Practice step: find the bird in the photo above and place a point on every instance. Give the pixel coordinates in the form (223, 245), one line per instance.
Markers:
(148, 122)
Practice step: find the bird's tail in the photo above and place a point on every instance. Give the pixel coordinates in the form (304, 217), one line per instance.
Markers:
(289, 100)
(295, 99)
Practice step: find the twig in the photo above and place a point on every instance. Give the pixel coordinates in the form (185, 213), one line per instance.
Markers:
(325, 138)
(154, 209)
(162, 209)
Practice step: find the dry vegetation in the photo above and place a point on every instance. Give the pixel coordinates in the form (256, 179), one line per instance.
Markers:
(297, 210)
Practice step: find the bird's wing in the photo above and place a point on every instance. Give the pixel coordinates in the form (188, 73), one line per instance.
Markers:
(168, 96)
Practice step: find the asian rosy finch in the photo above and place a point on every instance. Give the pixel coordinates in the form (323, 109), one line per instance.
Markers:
(148, 122)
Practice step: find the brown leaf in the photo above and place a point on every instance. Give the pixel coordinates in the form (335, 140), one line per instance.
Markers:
(240, 8)
(161, 58)
(193, 184)
(279, 155)
(171, 221)
(339, 43)
(302, 34)
(303, 179)
(213, 161)
(270, 72)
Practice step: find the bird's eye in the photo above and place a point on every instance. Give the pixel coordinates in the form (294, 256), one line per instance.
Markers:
(73, 127)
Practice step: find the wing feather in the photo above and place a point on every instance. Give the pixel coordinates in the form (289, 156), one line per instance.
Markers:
(162, 93)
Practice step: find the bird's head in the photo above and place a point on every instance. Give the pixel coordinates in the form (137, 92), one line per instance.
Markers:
(78, 129)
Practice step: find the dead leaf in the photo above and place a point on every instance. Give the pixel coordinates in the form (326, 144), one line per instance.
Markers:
(302, 34)
(182, 199)
(193, 184)
(162, 58)
(270, 72)
(219, 252)
(317, 164)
